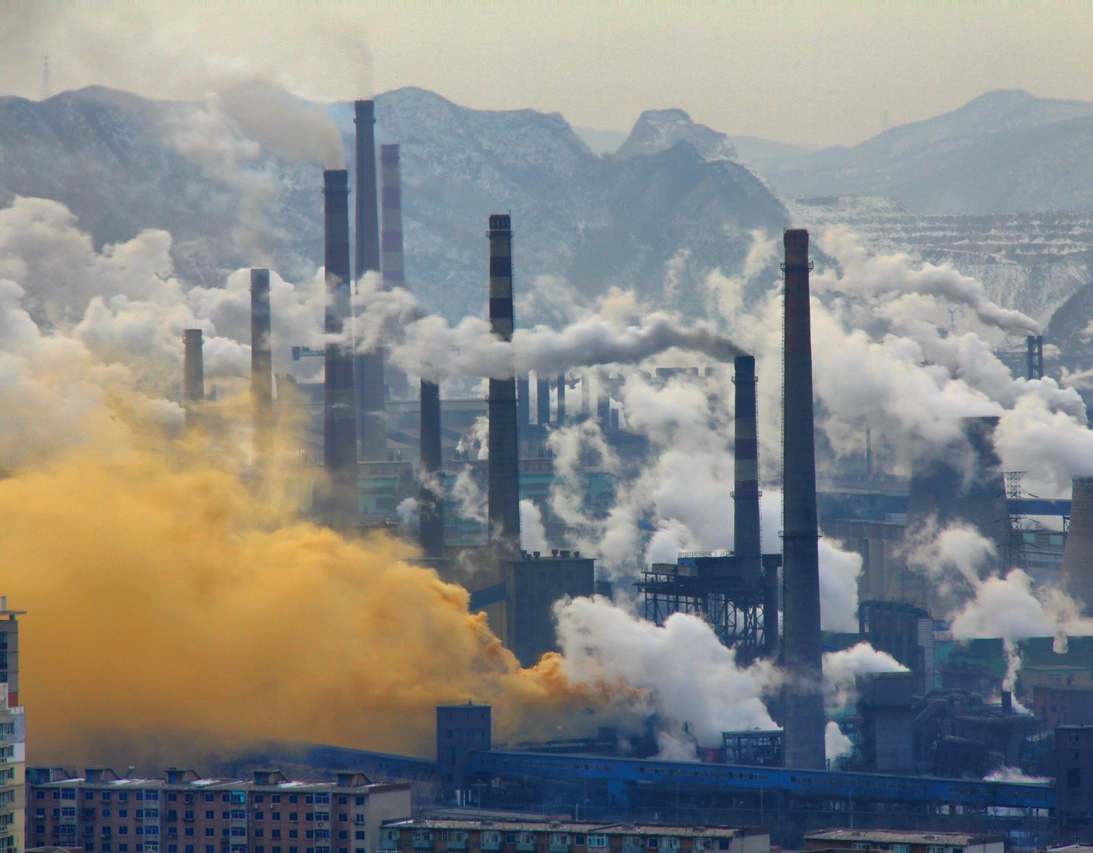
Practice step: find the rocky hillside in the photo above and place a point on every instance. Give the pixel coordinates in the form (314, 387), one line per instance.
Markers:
(674, 198)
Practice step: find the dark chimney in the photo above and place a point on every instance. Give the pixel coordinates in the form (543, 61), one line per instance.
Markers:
(1035, 359)
(391, 248)
(339, 429)
(431, 495)
(504, 466)
(804, 710)
(1077, 574)
(561, 399)
(523, 402)
(542, 403)
(193, 375)
(261, 364)
(368, 367)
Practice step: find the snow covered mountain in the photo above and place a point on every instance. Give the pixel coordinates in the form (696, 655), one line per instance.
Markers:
(117, 161)
(1003, 152)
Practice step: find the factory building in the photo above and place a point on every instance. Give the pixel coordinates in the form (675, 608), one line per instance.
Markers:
(13, 736)
(104, 812)
(556, 836)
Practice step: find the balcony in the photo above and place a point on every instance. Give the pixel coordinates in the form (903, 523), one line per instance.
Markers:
(457, 845)
(423, 844)
(490, 845)
(558, 848)
(526, 846)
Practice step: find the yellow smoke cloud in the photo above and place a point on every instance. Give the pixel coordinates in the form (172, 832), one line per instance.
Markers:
(164, 597)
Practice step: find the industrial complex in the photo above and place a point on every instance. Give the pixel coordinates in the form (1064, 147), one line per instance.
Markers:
(952, 754)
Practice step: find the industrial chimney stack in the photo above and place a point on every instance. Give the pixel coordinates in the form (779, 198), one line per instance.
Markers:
(261, 364)
(431, 495)
(370, 387)
(804, 710)
(193, 376)
(504, 466)
(339, 427)
(1077, 574)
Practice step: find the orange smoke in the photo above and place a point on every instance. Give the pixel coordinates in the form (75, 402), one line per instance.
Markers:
(166, 599)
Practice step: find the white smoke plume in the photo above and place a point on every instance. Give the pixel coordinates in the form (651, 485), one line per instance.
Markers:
(842, 669)
(836, 744)
(532, 533)
(839, 571)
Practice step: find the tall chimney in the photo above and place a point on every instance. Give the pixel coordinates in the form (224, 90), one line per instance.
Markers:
(542, 403)
(193, 375)
(339, 428)
(804, 712)
(370, 387)
(261, 364)
(561, 399)
(746, 499)
(1077, 574)
(391, 247)
(431, 495)
(504, 466)
(523, 402)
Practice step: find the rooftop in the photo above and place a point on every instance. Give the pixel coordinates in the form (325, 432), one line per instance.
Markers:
(530, 825)
(895, 836)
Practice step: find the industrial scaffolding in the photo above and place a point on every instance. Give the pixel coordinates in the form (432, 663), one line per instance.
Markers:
(717, 588)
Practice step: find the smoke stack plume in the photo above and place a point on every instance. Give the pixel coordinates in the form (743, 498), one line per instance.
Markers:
(542, 403)
(339, 428)
(370, 386)
(431, 513)
(804, 713)
(1077, 575)
(193, 375)
(504, 466)
(261, 363)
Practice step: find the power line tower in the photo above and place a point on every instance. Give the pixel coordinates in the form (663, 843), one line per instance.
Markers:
(1015, 556)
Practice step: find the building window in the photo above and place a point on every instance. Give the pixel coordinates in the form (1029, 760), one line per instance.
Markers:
(293, 798)
(294, 833)
(106, 796)
(259, 833)
(343, 835)
(259, 798)
(189, 848)
(276, 798)
(123, 812)
(360, 836)
(68, 793)
(274, 815)
(188, 832)
(105, 847)
(172, 797)
(209, 832)
(597, 841)
(210, 798)
(89, 795)
(360, 800)
(276, 833)
(123, 796)
(123, 848)
(343, 800)
(293, 817)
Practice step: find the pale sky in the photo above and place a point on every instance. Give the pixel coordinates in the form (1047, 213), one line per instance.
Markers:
(809, 72)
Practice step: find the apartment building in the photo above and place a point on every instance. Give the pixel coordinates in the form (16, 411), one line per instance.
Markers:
(502, 836)
(13, 735)
(899, 841)
(103, 812)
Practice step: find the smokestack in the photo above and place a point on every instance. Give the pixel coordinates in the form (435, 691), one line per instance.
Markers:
(542, 404)
(523, 402)
(391, 246)
(561, 399)
(193, 375)
(1035, 358)
(391, 242)
(746, 495)
(370, 387)
(431, 513)
(804, 712)
(1077, 574)
(504, 466)
(261, 364)
(339, 429)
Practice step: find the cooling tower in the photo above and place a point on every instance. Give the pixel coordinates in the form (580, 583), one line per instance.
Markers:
(1077, 576)
(432, 473)
(804, 710)
(339, 423)
(504, 469)
(371, 420)
(193, 375)
(542, 402)
(261, 364)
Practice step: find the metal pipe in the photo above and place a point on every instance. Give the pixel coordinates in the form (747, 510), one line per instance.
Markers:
(504, 466)
(804, 712)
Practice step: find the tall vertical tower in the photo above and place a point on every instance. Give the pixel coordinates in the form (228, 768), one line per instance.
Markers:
(391, 248)
(339, 426)
(13, 736)
(431, 495)
(504, 466)
(804, 714)
(261, 365)
(370, 387)
(193, 375)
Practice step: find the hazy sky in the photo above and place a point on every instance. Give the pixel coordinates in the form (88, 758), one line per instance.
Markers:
(801, 72)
